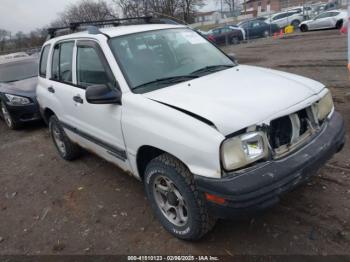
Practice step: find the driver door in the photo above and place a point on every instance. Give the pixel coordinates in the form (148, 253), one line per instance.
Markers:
(98, 125)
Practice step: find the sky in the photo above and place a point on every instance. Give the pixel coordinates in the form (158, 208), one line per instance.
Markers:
(27, 15)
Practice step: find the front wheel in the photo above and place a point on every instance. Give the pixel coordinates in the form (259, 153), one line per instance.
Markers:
(177, 203)
(304, 28)
(6, 115)
(235, 40)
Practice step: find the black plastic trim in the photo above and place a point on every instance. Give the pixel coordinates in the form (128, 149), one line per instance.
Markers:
(112, 150)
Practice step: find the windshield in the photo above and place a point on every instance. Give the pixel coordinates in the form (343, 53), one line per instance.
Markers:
(19, 70)
(156, 59)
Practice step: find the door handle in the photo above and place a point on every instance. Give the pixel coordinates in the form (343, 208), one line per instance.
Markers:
(78, 99)
(51, 89)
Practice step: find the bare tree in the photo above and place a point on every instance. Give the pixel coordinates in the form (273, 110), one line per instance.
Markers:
(183, 9)
(231, 5)
(85, 10)
(4, 34)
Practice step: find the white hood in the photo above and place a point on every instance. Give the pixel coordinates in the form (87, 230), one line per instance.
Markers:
(238, 97)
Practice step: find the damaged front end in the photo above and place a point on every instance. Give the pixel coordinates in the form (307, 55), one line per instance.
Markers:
(287, 151)
(278, 139)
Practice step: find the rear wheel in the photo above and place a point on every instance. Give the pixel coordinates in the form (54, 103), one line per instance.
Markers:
(304, 28)
(65, 147)
(266, 33)
(295, 24)
(177, 203)
(235, 40)
(339, 24)
(11, 124)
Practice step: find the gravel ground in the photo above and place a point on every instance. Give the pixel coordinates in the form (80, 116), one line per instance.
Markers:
(49, 206)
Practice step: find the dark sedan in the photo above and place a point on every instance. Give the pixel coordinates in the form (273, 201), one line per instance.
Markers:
(257, 28)
(226, 35)
(18, 80)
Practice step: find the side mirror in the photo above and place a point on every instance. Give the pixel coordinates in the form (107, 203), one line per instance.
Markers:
(102, 94)
(233, 58)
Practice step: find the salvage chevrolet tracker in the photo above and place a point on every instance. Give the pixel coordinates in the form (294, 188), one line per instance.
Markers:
(207, 137)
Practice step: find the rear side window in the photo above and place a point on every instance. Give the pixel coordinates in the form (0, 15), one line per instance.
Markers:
(43, 60)
(62, 61)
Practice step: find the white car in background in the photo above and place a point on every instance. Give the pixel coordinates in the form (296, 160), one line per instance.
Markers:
(283, 19)
(329, 19)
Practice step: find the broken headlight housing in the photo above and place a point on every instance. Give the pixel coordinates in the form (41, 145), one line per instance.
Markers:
(17, 100)
(324, 106)
(242, 150)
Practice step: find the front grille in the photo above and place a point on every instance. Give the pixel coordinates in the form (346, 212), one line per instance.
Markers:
(288, 132)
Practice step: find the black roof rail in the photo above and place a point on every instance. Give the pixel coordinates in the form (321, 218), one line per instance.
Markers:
(92, 25)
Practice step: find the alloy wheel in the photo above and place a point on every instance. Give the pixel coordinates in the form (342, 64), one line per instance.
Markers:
(6, 115)
(57, 136)
(170, 201)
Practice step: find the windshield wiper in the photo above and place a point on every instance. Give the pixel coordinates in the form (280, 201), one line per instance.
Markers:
(167, 80)
(212, 68)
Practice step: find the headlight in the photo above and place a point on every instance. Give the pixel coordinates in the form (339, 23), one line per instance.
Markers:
(17, 100)
(242, 150)
(324, 107)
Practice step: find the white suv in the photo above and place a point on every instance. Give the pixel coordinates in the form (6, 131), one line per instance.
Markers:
(208, 138)
(283, 19)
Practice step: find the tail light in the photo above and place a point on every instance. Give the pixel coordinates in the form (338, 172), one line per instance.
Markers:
(211, 38)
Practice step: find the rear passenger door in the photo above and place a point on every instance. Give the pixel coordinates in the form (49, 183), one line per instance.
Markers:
(99, 125)
(61, 80)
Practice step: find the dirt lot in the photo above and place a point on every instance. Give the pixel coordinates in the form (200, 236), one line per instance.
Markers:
(49, 206)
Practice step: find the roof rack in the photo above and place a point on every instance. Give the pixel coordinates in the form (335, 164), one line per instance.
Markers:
(92, 25)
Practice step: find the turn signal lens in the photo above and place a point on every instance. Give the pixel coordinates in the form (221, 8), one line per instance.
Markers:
(215, 199)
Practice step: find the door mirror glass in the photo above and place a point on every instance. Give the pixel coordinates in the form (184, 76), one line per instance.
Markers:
(102, 94)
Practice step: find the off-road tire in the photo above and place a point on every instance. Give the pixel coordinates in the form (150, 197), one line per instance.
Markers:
(72, 150)
(199, 221)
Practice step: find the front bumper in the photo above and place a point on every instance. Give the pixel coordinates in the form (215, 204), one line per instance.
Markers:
(260, 187)
(25, 113)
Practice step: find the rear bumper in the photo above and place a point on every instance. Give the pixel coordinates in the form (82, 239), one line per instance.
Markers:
(25, 113)
(261, 186)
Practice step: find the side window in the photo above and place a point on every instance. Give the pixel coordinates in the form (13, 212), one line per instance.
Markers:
(66, 62)
(324, 15)
(255, 24)
(43, 61)
(90, 68)
(333, 14)
(55, 63)
(62, 60)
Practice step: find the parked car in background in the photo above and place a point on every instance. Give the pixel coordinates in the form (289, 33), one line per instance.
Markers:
(326, 20)
(257, 28)
(284, 19)
(304, 10)
(18, 80)
(13, 56)
(226, 35)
